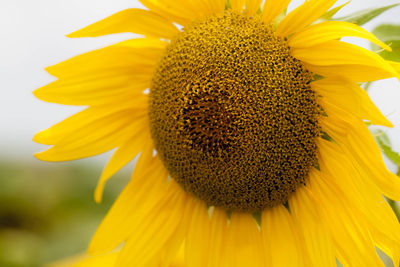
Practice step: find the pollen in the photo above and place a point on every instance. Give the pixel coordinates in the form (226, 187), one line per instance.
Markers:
(232, 114)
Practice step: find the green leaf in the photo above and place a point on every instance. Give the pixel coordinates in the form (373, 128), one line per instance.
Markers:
(389, 34)
(382, 137)
(384, 143)
(364, 16)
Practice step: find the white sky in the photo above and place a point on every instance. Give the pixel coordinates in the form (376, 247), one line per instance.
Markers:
(33, 37)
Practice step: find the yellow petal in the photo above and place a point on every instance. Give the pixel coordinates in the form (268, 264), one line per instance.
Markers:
(244, 245)
(144, 194)
(372, 162)
(208, 7)
(92, 138)
(352, 72)
(122, 156)
(166, 10)
(252, 6)
(151, 44)
(112, 74)
(395, 65)
(281, 237)
(197, 240)
(354, 246)
(237, 5)
(94, 89)
(58, 131)
(273, 8)
(364, 196)
(173, 254)
(218, 238)
(185, 7)
(149, 238)
(179, 260)
(318, 243)
(340, 53)
(218, 5)
(303, 15)
(128, 57)
(349, 97)
(336, 121)
(184, 11)
(89, 116)
(130, 20)
(331, 30)
(360, 146)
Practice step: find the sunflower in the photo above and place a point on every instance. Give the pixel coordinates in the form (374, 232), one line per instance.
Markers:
(249, 129)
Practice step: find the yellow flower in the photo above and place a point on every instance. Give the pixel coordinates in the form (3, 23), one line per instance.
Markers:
(250, 130)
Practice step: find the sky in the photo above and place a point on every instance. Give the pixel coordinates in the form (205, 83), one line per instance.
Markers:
(33, 37)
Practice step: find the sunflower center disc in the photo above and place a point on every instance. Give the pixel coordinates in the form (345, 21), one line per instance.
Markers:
(232, 114)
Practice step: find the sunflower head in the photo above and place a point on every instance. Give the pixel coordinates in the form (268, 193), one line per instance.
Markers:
(232, 113)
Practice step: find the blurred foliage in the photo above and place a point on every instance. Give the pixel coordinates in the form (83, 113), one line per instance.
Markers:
(366, 15)
(390, 34)
(47, 211)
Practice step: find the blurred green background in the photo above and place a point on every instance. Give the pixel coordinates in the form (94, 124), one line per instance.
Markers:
(47, 210)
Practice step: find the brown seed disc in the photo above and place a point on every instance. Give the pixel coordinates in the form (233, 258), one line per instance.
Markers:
(232, 114)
